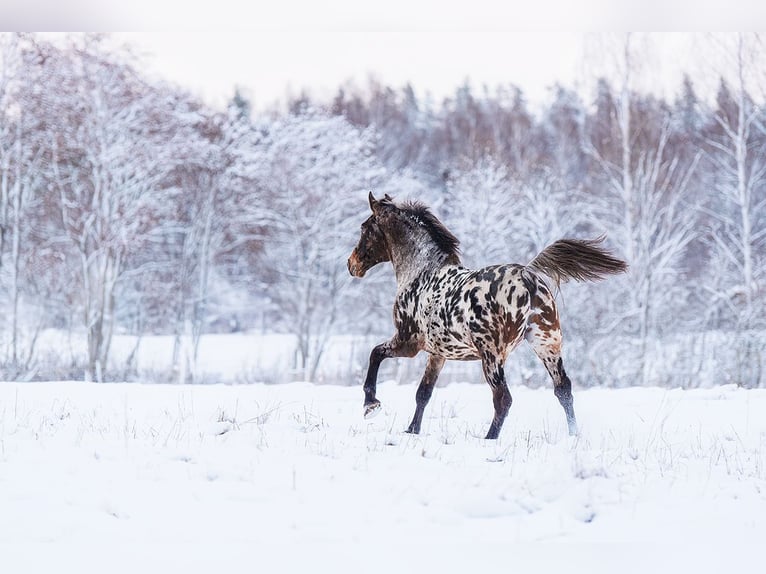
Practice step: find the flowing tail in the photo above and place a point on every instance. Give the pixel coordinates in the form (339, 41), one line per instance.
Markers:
(578, 259)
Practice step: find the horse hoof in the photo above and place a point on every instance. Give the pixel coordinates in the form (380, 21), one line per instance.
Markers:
(371, 410)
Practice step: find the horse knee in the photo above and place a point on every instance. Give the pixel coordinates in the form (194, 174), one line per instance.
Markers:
(377, 354)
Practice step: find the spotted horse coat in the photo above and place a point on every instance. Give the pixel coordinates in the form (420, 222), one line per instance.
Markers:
(452, 312)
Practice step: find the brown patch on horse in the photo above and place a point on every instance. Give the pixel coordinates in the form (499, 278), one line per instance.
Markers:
(511, 328)
(547, 313)
(353, 265)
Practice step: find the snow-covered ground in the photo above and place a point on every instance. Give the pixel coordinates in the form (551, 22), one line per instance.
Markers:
(290, 478)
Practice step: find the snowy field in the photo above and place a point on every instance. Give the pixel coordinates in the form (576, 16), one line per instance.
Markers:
(290, 478)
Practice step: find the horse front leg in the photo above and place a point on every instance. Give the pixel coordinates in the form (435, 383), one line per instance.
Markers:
(385, 350)
(372, 404)
(425, 389)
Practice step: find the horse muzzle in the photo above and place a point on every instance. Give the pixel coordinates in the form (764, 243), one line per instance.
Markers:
(355, 266)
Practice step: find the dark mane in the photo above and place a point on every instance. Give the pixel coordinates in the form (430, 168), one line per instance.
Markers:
(442, 236)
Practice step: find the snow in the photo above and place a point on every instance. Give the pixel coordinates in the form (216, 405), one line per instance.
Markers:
(290, 477)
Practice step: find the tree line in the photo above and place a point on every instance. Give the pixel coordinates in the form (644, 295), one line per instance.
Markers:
(128, 206)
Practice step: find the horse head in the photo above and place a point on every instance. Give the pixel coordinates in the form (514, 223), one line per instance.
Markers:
(372, 247)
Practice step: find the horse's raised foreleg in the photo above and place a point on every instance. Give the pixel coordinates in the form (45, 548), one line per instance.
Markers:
(385, 350)
(501, 397)
(425, 389)
(371, 404)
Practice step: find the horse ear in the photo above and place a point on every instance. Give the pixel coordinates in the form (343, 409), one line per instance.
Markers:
(373, 202)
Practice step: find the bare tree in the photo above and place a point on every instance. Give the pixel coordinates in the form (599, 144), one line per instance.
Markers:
(646, 182)
(481, 204)
(108, 162)
(312, 170)
(218, 221)
(22, 161)
(737, 148)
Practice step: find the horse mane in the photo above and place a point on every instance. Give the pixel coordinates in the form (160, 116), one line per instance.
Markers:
(448, 243)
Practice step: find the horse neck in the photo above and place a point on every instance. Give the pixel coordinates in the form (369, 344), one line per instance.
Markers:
(413, 257)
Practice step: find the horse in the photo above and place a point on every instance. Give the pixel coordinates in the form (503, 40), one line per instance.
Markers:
(455, 313)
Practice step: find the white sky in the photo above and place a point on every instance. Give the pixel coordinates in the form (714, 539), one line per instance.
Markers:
(271, 48)
(269, 64)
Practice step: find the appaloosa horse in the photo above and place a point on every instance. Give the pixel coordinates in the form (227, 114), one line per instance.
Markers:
(456, 313)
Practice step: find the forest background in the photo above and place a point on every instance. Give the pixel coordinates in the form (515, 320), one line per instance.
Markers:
(135, 217)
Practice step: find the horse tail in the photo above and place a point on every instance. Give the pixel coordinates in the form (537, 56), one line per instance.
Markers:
(578, 259)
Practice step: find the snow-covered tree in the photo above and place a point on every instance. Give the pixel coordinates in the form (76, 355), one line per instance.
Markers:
(218, 219)
(22, 171)
(312, 172)
(481, 208)
(108, 159)
(736, 145)
(644, 202)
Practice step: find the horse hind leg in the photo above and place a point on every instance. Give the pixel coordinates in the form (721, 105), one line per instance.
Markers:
(492, 366)
(545, 339)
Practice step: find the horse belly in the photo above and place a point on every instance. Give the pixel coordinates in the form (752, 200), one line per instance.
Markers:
(450, 342)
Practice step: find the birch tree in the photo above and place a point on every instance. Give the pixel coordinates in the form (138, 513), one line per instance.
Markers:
(22, 163)
(736, 145)
(646, 183)
(108, 162)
